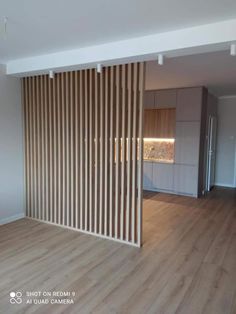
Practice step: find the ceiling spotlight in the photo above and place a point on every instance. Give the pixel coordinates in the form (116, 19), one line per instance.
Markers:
(51, 74)
(233, 50)
(160, 59)
(99, 68)
(3, 27)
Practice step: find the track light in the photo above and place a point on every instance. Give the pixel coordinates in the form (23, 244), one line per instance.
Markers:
(233, 50)
(3, 27)
(99, 68)
(160, 59)
(51, 74)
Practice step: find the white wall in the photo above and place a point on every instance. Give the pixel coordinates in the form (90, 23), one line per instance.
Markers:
(226, 142)
(11, 150)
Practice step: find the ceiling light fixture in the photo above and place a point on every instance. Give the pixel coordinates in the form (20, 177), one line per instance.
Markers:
(3, 29)
(51, 74)
(99, 68)
(160, 59)
(233, 50)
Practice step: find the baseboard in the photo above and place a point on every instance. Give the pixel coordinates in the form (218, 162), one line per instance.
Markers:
(6, 220)
(170, 192)
(224, 185)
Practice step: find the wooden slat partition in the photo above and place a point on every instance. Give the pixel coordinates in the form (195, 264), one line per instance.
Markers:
(83, 154)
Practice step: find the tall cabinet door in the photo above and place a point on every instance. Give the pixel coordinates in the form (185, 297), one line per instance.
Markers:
(187, 142)
(189, 102)
(165, 98)
(149, 100)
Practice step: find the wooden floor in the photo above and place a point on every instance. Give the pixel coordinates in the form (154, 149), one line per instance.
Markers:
(187, 263)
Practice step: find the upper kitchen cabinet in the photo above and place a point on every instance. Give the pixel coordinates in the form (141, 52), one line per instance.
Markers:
(149, 100)
(189, 104)
(159, 123)
(165, 98)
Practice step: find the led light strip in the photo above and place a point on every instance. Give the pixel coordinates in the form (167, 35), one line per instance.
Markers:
(170, 140)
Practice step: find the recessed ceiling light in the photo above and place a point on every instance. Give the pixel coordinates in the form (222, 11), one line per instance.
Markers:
(51, 74)
(160, 59)
(99, 68)
(233, 50)
(3, 29)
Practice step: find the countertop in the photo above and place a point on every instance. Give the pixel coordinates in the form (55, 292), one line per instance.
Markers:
(159, 161)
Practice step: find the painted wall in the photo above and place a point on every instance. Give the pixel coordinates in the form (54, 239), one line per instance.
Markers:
(226, 142)
(11, 150)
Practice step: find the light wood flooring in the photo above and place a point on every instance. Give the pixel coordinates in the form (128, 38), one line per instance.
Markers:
(187, 263)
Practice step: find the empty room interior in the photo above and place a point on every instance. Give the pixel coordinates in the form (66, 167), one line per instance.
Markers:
(118, 157)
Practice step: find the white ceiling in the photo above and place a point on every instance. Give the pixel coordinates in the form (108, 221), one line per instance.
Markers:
(216, 70)
(46, 26)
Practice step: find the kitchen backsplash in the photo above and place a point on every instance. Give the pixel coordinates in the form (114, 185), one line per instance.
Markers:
(159, 150)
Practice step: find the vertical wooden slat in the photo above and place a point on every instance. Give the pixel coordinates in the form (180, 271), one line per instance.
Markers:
(63, 151)
(106, 153)
(101, 208)
(46, 146)
(59, 127)
(72, 150)
(54, 209)
(34, 109)
(42, 136)
(86, 127)
(76, 151)
(32, 155)
(81, 150)
(67, 150)
(129, 125)
(111, 105)
(38, 152)
(117, 150)
(91, 139)
(140, 156)
(51, 147)
(96, 156)
(25, 98)
(123, 152)
(28, 134)
(134, 151)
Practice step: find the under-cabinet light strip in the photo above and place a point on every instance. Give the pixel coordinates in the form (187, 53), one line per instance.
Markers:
(170, 140)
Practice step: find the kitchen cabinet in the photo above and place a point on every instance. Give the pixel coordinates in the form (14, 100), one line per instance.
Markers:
(189, 104)
(149, 99)
(185, 121)
(163, 174)
(185, 179)
(165, 98)
(159, 123)
(187, 142)
(147, 175)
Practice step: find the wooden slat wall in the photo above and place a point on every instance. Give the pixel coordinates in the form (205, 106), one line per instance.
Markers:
(83, 152)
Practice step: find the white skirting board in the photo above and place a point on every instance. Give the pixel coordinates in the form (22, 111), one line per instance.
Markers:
(6, 220)
(226, 185)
